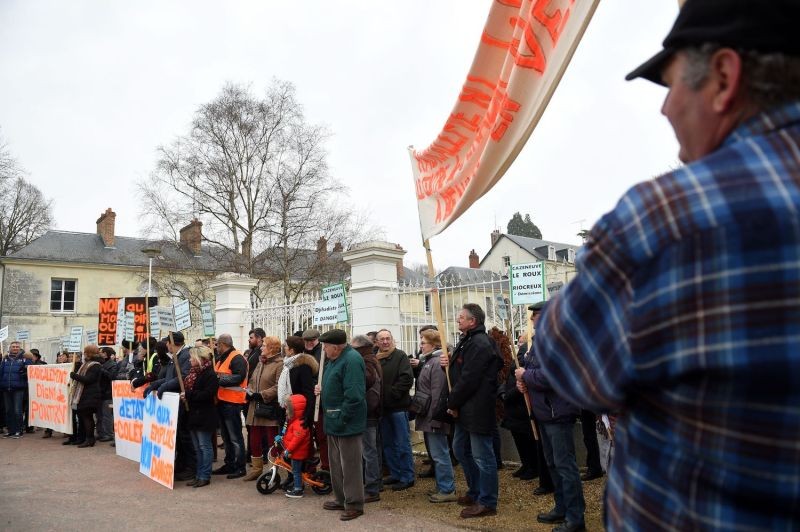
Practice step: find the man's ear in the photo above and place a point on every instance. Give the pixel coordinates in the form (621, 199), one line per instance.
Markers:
(725, 76)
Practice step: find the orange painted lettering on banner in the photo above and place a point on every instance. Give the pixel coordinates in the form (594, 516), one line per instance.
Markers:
(161, 470)
(164, 436)
(553, 23)
(40, 373)
(50, 413)
(128, 430)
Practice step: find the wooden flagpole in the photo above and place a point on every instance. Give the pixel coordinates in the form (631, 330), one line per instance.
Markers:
(178, 373)
(319, 381)
(526, 395)
(437, 308)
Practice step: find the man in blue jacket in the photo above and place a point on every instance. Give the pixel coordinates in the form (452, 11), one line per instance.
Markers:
(556, 417)
(13, 383)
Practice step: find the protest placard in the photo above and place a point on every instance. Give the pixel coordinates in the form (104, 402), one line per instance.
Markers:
(155, 326)
(128, 419)
(208, 319)
(65, 343)
(130, 326)
(183, 315)
(120, 336)
(23, 336)
(108, 312)
(159, 428)
(75, 339)
(48, 397)
(4, 334)
(165, 317)
(91, 337)
(326, 312)
(338, 294)
(527, 283)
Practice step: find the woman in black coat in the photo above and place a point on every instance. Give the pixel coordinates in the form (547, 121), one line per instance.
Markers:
(302, 374)
(86, 397)
(201, 386)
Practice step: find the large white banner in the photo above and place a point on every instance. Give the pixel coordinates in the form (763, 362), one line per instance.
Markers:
(160, 426)
(48, 397)
(525, 47)
(128, 419)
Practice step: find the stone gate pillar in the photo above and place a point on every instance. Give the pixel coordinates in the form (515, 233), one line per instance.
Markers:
(373, 277)
(232, 293)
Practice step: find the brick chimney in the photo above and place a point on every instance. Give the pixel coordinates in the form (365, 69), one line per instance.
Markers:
(105, 227)
(192, 236)
(322, 248)
(496, 236)
(337, 247)
(474, 260)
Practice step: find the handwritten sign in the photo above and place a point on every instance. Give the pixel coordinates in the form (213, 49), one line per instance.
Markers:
(120, 336)
(130, 326)
(165, 317)
(48, 393)
(75, 339)
(91, 337)
(183, 315)
(128, 419)
(23, 336)
(4, 334)
(155, 326)
(527, 283)
(108, 312)
(326, 312)
(159, 428)
(524, 50)
(208, 318)
(336, 293)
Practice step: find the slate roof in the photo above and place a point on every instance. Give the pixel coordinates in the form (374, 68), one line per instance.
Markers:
(88, 248)
(537, 247)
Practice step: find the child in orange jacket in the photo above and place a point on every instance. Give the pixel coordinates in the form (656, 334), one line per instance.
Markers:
(297, 442)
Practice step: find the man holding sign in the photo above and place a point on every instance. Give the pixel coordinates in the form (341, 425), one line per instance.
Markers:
(185, 461)
(684, 315)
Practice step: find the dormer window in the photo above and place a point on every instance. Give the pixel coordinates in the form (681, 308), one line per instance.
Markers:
(551, 253)
(570, 255)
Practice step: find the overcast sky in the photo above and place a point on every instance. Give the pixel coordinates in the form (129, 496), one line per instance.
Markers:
(90, 89)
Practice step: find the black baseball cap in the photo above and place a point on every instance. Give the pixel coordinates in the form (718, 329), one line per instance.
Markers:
(752, 25)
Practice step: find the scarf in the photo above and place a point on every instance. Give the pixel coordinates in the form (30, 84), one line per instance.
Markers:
(79, 386)
(194, 372)
(284, 384)
(381, 355)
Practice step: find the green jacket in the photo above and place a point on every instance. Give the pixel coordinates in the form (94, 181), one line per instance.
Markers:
(344, 400)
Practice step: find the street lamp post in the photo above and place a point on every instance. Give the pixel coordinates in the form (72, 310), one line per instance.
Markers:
(151, 252)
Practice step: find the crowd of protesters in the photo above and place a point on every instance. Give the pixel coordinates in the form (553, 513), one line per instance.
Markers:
(683, 318)
(349, 414)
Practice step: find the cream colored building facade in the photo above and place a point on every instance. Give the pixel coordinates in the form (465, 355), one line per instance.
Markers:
(56, 282)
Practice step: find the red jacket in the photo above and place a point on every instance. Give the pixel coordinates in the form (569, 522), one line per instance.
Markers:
(297, 439)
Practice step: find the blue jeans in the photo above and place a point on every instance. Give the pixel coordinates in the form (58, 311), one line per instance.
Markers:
(373, 478)
(230, 427)
(397, 446)
(13, 401)
(297, 473)
(440, 454)
(201, 441)
(559, 453)
(476, 454)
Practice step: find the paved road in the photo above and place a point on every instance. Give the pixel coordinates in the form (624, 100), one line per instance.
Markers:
(47, 486)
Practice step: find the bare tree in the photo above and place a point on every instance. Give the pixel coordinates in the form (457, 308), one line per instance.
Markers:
(255, 173)
(25, 214)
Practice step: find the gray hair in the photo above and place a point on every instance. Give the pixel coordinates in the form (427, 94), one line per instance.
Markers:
(769, 79)
(361, 340)
(225, 339)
